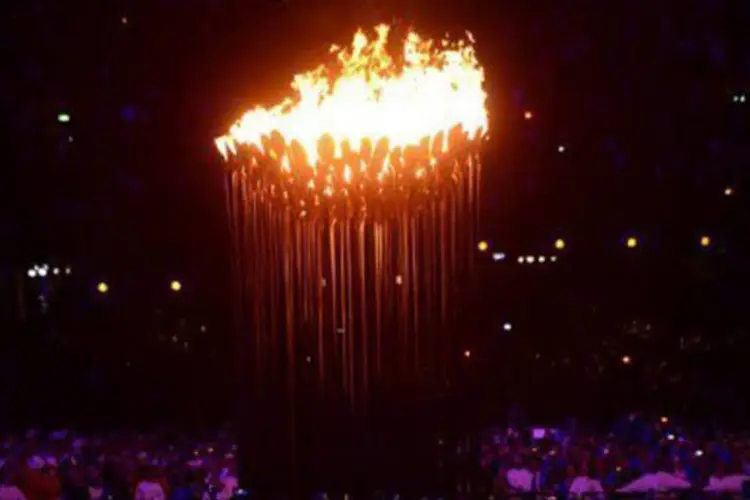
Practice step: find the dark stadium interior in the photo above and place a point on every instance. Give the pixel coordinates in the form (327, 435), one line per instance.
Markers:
(613, 207)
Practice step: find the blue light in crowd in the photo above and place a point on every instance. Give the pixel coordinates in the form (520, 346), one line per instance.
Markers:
(129, 113)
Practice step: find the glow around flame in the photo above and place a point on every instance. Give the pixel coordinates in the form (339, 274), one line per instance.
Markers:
(366, 111)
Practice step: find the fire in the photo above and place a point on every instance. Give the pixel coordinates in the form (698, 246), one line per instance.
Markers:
(369, 122)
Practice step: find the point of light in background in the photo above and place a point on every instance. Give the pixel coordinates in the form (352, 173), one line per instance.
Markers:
(68, 270)
(739, 98)
(482, 246)
(560, 244)
(631, 242)
(705, 241)
(467, 353)
(664, 420)
(728, 191)
(31, 273)
(521, 260)
(626, 360)
(56, 271)
(542, 259)
(175, 285)
(42, 271)
(507, 327)
(63, 118)
(498, 256)
(553, 258)
(530, 259)
(129, 113)
(102, 287)
(560, 148)
(124, 20)
(399, 280)
(528, 115)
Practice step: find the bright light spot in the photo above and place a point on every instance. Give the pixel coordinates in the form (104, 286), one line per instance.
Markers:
(56, 271)
(42, 271)
(124, 20)
(31, 273)
(553, 258)
(467, 353)
(664, 420)
(482, 246)
(530, 259)
(670, 437)
(626, 360)
(203, 328)
(63, 118)
(521, 260)
(498, 256)
(102, 287)
(528, 115)
(698, 453)
(308, 359)
(68, 270)
(560, 148)
(70, 138)
(507, 327)
(631, 242)
(175, 285)
(705, 241)
(728, 191)
(542, 259)
(399, 279)
(560, 243)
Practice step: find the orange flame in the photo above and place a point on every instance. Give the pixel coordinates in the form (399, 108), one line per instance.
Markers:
(370, 119)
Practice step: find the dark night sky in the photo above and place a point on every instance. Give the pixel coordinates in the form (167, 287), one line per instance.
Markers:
(639, 94)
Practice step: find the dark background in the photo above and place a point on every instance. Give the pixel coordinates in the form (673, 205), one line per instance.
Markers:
(641, 94)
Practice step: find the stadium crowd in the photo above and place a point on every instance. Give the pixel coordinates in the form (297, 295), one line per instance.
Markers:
(637, 455)
(115, 467)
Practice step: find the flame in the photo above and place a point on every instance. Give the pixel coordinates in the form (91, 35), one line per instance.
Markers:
(369, 118)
